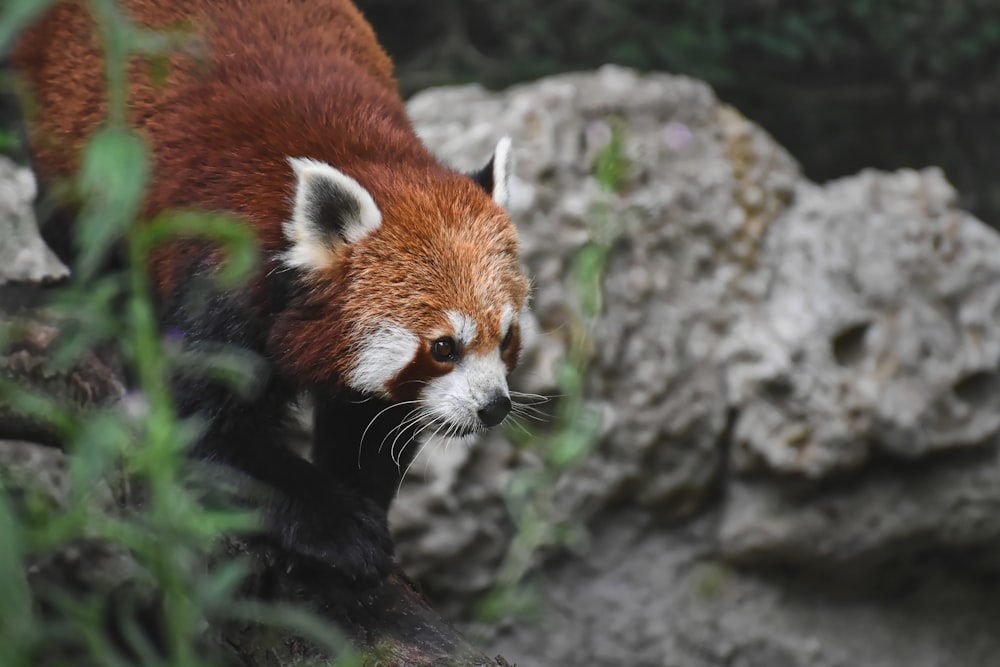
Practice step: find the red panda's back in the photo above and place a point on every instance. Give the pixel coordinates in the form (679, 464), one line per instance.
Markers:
(60, 57)
(252, 83)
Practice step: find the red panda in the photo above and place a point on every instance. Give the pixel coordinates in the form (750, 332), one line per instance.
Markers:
(390, 287)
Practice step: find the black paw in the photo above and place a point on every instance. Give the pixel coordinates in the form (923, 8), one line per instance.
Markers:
(352, 538)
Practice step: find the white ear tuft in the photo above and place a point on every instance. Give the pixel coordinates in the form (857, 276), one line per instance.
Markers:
(331, 209)
(503, 169)
(495, 177)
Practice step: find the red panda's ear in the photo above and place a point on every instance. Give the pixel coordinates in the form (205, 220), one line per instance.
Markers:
(495, 176)
(331, 209)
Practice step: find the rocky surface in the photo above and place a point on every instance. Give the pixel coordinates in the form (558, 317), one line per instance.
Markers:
(646, 596)
(23, 255)
(804, 375)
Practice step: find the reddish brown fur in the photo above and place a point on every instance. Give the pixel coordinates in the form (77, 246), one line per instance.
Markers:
(264, 81)
(267, 80)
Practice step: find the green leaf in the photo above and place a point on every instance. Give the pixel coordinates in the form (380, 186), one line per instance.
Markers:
(238, 369)
(217, 589)
(100, 441)
(113, 175)
(159, 70)
(517, 601)
(15, 604)
(89, 317)
(589, 273)
(612, 164)
(35, 405)
(16, 15)
(237, 239)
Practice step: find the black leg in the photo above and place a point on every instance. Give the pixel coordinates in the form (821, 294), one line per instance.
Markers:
(305, 510)
(317, 516)
(363, 442)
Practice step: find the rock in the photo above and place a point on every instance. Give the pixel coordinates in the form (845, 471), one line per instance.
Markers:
(804, 374)
(643, 596)
(878, 332)
(703, 186)
(23, 255)
(91, 382)
(878, 341)
(441, 522)
(883, 515)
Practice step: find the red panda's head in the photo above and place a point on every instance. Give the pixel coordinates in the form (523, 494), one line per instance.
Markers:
(415, 289)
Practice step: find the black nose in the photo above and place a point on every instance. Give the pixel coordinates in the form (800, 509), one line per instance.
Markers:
(494, 411)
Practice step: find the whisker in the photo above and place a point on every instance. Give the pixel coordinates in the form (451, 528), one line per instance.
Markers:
(417, 455)
(423, 444)
(425, 414)
(442, 420)
(559, 327)
(396, 456)
(530, 413)
(416, 381)
(526, 406)
(539, 398)
(515, 422)
(427, 459)
(364, 433)
(400, 428)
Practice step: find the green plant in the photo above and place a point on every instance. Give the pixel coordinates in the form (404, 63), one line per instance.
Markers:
(575, 428)
(173, 536)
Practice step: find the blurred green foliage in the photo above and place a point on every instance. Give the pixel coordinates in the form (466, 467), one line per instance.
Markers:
(501, 43)
(575, 427)
(843, 85)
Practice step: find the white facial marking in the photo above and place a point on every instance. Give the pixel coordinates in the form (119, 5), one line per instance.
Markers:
(503, 167)
(529, 327)
(464, 327)
(312, 242)
(381, 357)
(475, 381)
(506, 319)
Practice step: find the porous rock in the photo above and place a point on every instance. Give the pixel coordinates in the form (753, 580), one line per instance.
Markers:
(643, 596)
(702, 186)
(808, 373)
(878, 331)
(23, 255)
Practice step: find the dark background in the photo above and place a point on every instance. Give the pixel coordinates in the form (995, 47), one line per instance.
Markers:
(843, 84)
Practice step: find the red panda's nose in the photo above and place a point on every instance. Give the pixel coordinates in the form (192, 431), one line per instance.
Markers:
(494, 411)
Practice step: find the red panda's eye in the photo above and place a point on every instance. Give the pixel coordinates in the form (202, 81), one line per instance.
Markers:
(444, 350)
(507, 339)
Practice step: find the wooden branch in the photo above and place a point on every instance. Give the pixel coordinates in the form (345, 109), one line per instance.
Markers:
(392, 622)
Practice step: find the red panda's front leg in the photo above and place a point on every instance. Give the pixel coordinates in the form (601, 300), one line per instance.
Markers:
(366, 442)
(304, 510)
(314, 515)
